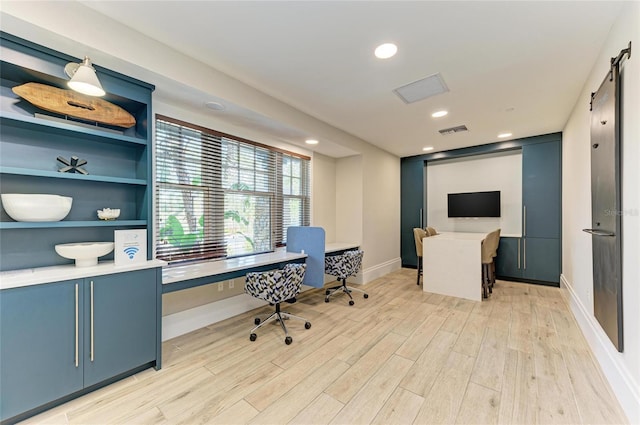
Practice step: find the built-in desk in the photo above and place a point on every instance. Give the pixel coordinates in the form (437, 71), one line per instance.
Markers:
(452, 264)
(197, 274)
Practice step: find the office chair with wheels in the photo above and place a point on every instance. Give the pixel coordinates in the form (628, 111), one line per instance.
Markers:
(276, 286)
(342, 266)
(418, 235)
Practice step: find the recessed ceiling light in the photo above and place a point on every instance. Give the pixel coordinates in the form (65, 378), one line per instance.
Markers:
(428, 148)
(504, 135)
(311, 142)
(216, 106)
(439, 114)
(386, 50)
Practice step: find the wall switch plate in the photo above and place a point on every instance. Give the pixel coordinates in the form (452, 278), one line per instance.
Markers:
(231, 284)
(220, 286)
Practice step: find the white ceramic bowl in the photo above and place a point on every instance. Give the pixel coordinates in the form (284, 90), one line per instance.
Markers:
(108, 213)
(85, 253)
(36, 207)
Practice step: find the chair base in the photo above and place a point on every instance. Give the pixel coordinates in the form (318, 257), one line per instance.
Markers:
(280, 316)
(488, 279)
(344, 288)
(419, 271)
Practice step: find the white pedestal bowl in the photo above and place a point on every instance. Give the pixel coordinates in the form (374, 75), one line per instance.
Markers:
(84, 253)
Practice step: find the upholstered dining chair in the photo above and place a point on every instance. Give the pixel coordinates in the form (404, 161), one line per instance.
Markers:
(275, 287)
(343, 266)
(488, 250)
(418, 235)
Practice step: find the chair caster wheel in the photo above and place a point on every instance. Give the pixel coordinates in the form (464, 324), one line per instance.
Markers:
(326, 300)
(366, 295)
(307, 325)
(327, 292)
(253, 337)
(351, 302)
(288, 340)
(257, 321)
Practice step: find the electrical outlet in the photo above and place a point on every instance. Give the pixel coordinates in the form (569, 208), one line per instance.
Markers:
(231, 284)
(220, 286)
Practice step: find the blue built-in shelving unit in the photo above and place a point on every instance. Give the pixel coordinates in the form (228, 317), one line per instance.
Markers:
(119, 160)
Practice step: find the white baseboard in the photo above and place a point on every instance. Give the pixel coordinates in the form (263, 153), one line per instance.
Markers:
(372, 273)
(187, 321)
(622, 383)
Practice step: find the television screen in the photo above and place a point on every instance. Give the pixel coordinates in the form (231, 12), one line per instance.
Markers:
(474, 204)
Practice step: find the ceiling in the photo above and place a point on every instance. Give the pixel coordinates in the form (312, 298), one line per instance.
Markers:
(514, 67)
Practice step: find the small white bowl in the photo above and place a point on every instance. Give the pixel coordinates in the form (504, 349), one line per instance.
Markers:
(108, 213)
(85, 253)
(36, 207)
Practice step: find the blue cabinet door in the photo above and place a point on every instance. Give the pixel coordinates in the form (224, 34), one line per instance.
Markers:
(38, 339)
(508, 261)
(411, 207)
(541, 190)
(120, 324)
(541, 259)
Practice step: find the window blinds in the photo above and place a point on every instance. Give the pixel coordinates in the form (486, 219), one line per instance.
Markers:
(222, 196)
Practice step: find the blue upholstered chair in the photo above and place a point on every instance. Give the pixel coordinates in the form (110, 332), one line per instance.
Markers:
(342, 266)
(275, 287)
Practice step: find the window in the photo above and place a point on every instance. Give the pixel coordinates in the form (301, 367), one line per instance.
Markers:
(223, 196)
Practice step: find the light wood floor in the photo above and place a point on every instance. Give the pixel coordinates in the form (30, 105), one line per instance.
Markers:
(400, 357)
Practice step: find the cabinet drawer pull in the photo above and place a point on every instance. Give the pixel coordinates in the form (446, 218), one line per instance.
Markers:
(76, 348)
(524, 215)
(518, 254)
(92, 320)
(524, 254)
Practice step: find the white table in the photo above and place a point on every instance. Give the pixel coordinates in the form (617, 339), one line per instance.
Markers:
(452, 264)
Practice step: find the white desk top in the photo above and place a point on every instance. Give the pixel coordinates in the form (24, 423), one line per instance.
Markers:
(36, 276)
(339, 246)
(212, 268)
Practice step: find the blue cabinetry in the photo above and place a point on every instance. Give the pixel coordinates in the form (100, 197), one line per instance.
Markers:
(411, 208)
(537, 255)
(541, 190)
(120, 324)
(119, 160)
(39, 361)
(529, 259)
(57, 339)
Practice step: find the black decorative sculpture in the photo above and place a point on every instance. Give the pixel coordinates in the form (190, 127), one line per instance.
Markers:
(73, 166)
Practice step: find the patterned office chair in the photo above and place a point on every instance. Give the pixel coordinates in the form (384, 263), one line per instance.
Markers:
(276, 286)
(342, 266)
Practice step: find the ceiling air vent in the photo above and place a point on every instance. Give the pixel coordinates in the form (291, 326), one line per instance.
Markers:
(452, 130)
(422, 89)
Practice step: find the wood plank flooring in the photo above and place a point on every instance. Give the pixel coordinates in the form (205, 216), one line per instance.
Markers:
(402, 356)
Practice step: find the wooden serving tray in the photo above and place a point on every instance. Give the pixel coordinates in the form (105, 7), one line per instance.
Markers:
(74, 104)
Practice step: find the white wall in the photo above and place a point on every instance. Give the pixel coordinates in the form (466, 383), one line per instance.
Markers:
(499, 171)
(323, 193)
(622, 369)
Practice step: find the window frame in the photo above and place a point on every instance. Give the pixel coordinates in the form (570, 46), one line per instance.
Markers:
(274, 183)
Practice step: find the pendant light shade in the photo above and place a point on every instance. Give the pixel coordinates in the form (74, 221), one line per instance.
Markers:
(83, 78)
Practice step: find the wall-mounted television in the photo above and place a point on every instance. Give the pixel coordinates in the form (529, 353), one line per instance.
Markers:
(474, 204)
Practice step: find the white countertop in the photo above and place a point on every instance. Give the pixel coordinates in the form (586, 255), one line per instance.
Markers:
(211, 268)
(39, 275)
